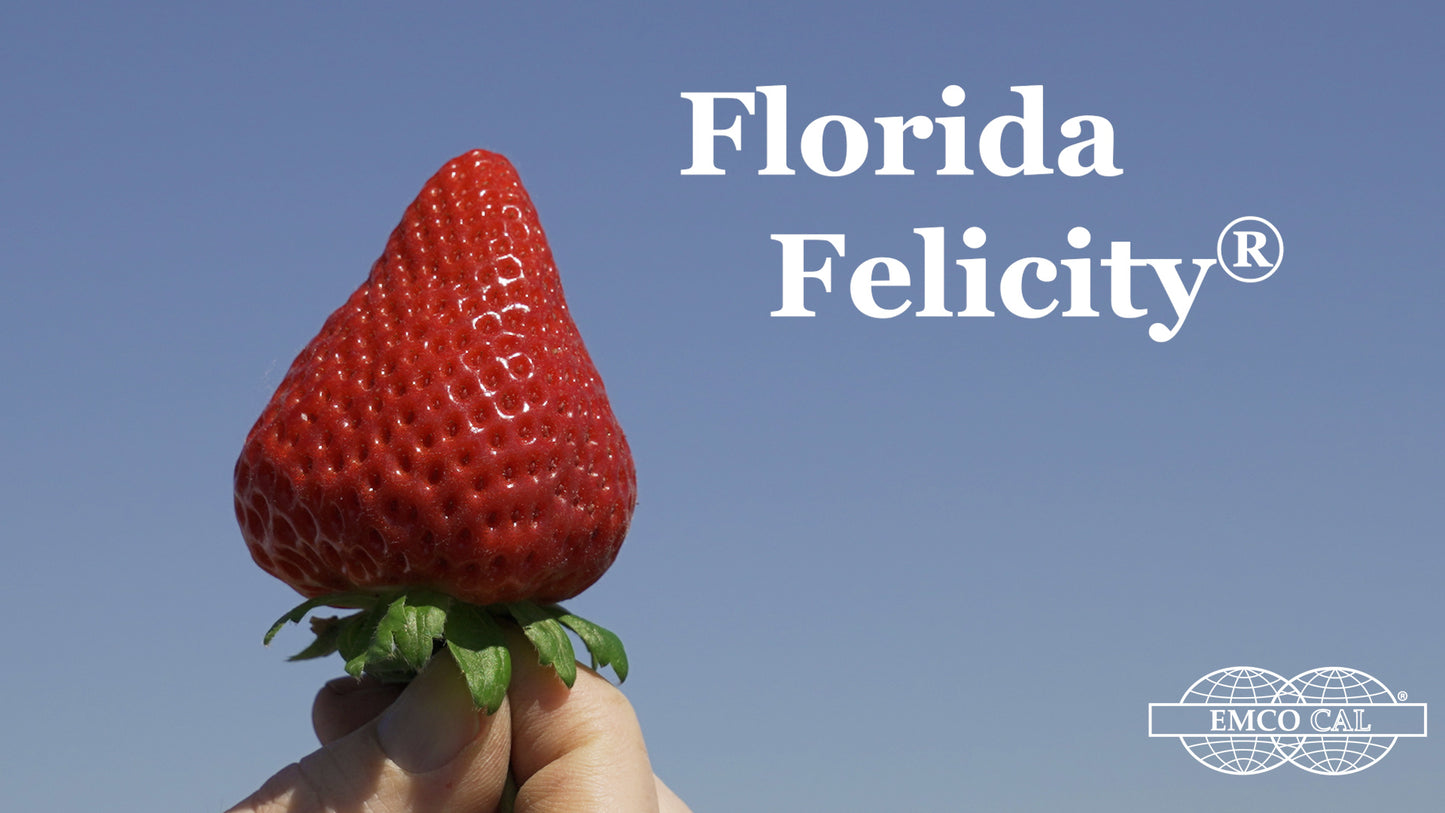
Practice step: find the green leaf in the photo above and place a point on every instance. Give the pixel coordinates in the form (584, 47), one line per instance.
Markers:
(327, 630)
(429, 609)
(349, 599)
(294, 617)
(605, 646)
(391, 633)
(553, 646)
(476, 642)
(356, 639)
(394, 635)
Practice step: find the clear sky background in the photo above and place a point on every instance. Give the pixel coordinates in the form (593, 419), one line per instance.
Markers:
(906, 564)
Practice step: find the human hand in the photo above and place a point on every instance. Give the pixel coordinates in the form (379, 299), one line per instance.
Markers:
(427, 750)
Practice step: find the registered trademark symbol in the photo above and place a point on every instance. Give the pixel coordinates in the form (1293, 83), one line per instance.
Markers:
(1254, 245)
(1402, 696)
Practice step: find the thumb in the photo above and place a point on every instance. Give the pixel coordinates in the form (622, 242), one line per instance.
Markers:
(429, 751)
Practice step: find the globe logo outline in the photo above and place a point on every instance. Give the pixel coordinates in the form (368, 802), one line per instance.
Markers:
(1332, 755)
(1327, 754)
(1234, 754)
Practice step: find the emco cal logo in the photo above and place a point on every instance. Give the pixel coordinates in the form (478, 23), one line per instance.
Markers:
(1331, 720)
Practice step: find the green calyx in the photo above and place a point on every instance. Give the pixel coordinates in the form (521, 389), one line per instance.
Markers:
(393, 635)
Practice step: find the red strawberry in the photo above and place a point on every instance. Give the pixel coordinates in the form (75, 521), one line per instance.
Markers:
(444, 444)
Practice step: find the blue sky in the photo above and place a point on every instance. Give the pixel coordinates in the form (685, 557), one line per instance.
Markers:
(911, 564)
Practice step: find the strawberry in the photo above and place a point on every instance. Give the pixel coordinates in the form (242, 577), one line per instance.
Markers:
(443, 455)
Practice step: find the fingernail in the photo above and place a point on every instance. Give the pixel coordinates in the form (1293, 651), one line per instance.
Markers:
(432, 721)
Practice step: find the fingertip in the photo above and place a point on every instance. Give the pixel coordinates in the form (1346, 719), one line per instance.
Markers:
(346, 704)
(580, 749)
(427, 750)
